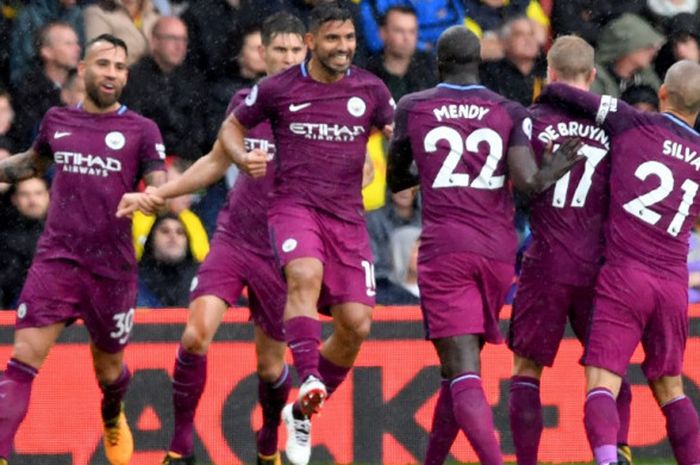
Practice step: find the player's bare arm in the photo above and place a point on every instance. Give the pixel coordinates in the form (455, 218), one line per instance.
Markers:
(232, 139)
(398, 173)
(146, 202)
(22, 166)
(203, 173)
(530, 180)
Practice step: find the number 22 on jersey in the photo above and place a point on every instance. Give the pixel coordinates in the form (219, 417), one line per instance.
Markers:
(446, 176)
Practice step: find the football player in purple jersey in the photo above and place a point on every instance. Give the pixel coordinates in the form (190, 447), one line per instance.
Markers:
(321, 113)
(641, 293)
(466, 142)
(240, 256)
(84, 265)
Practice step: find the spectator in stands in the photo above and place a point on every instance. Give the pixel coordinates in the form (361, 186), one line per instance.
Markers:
(6, 150)
(248, 68)
(521, 73)
(433, 18)
(402, 68)
(626, 48)
(180, 206)
(683, 33)
(172, 94)
(30, 20)
(642, 97)
(167, 267)
(7, 118)
(486, 17)
(19, 234)
(661, 12)
(586, 18)
(40, 89)
(7, 18)
(401, 209)
(402, 286)
(130, 20)
(73, 90)
(210, 24)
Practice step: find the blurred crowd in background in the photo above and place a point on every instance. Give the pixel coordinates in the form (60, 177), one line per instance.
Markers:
(187, 58)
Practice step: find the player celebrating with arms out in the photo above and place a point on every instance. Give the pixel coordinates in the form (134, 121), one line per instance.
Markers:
(467, 251)
(642, 290)
(240, 256)
(84, 265)
(321, 114)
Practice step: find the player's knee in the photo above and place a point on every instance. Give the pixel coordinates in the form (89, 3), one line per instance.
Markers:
(195, 340)
(29, 354)
(107, 369)
(302, 277)
(355, 329)
(269, 369)
(525, 367)
(667, 388)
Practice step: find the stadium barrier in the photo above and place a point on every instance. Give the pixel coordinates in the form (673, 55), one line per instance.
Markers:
(380, 415)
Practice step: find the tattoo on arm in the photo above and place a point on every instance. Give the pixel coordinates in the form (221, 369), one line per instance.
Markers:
(21, 166)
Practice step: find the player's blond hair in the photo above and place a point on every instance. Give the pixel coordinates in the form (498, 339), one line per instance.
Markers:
(571, 57)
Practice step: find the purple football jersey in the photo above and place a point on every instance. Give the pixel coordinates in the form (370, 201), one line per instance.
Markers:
(654, 183)
(567, 220)
(244, 216)
(321, 133)
(459, 137)
(98, 158)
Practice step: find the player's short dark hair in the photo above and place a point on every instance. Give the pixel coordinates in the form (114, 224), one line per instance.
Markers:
(281, 22)
(110, 38)
(458, 51)
(326, 11)
(405, 9)
(42, 38)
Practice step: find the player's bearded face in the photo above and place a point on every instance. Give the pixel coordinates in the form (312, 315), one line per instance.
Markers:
(105, 76)
(334, 46)
(103, 93)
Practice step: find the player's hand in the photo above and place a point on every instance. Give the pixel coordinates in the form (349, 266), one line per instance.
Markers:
(145, 202)
(564, 158)
(254, 163)
(388, 131)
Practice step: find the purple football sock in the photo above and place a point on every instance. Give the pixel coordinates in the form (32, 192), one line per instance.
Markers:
(444, 429)
(474, 416)
(113, 394)
(303, 338)
(272, 398)
(15, 389)
(189, 379)
(683, 430)
(624, 403)
(602, 424)
(331, 374)
(525, 412)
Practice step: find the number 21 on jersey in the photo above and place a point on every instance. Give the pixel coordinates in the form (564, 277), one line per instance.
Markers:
(639, 206)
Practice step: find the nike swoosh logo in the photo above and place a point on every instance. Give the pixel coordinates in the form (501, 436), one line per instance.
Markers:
(59, 134)
(294, 108)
